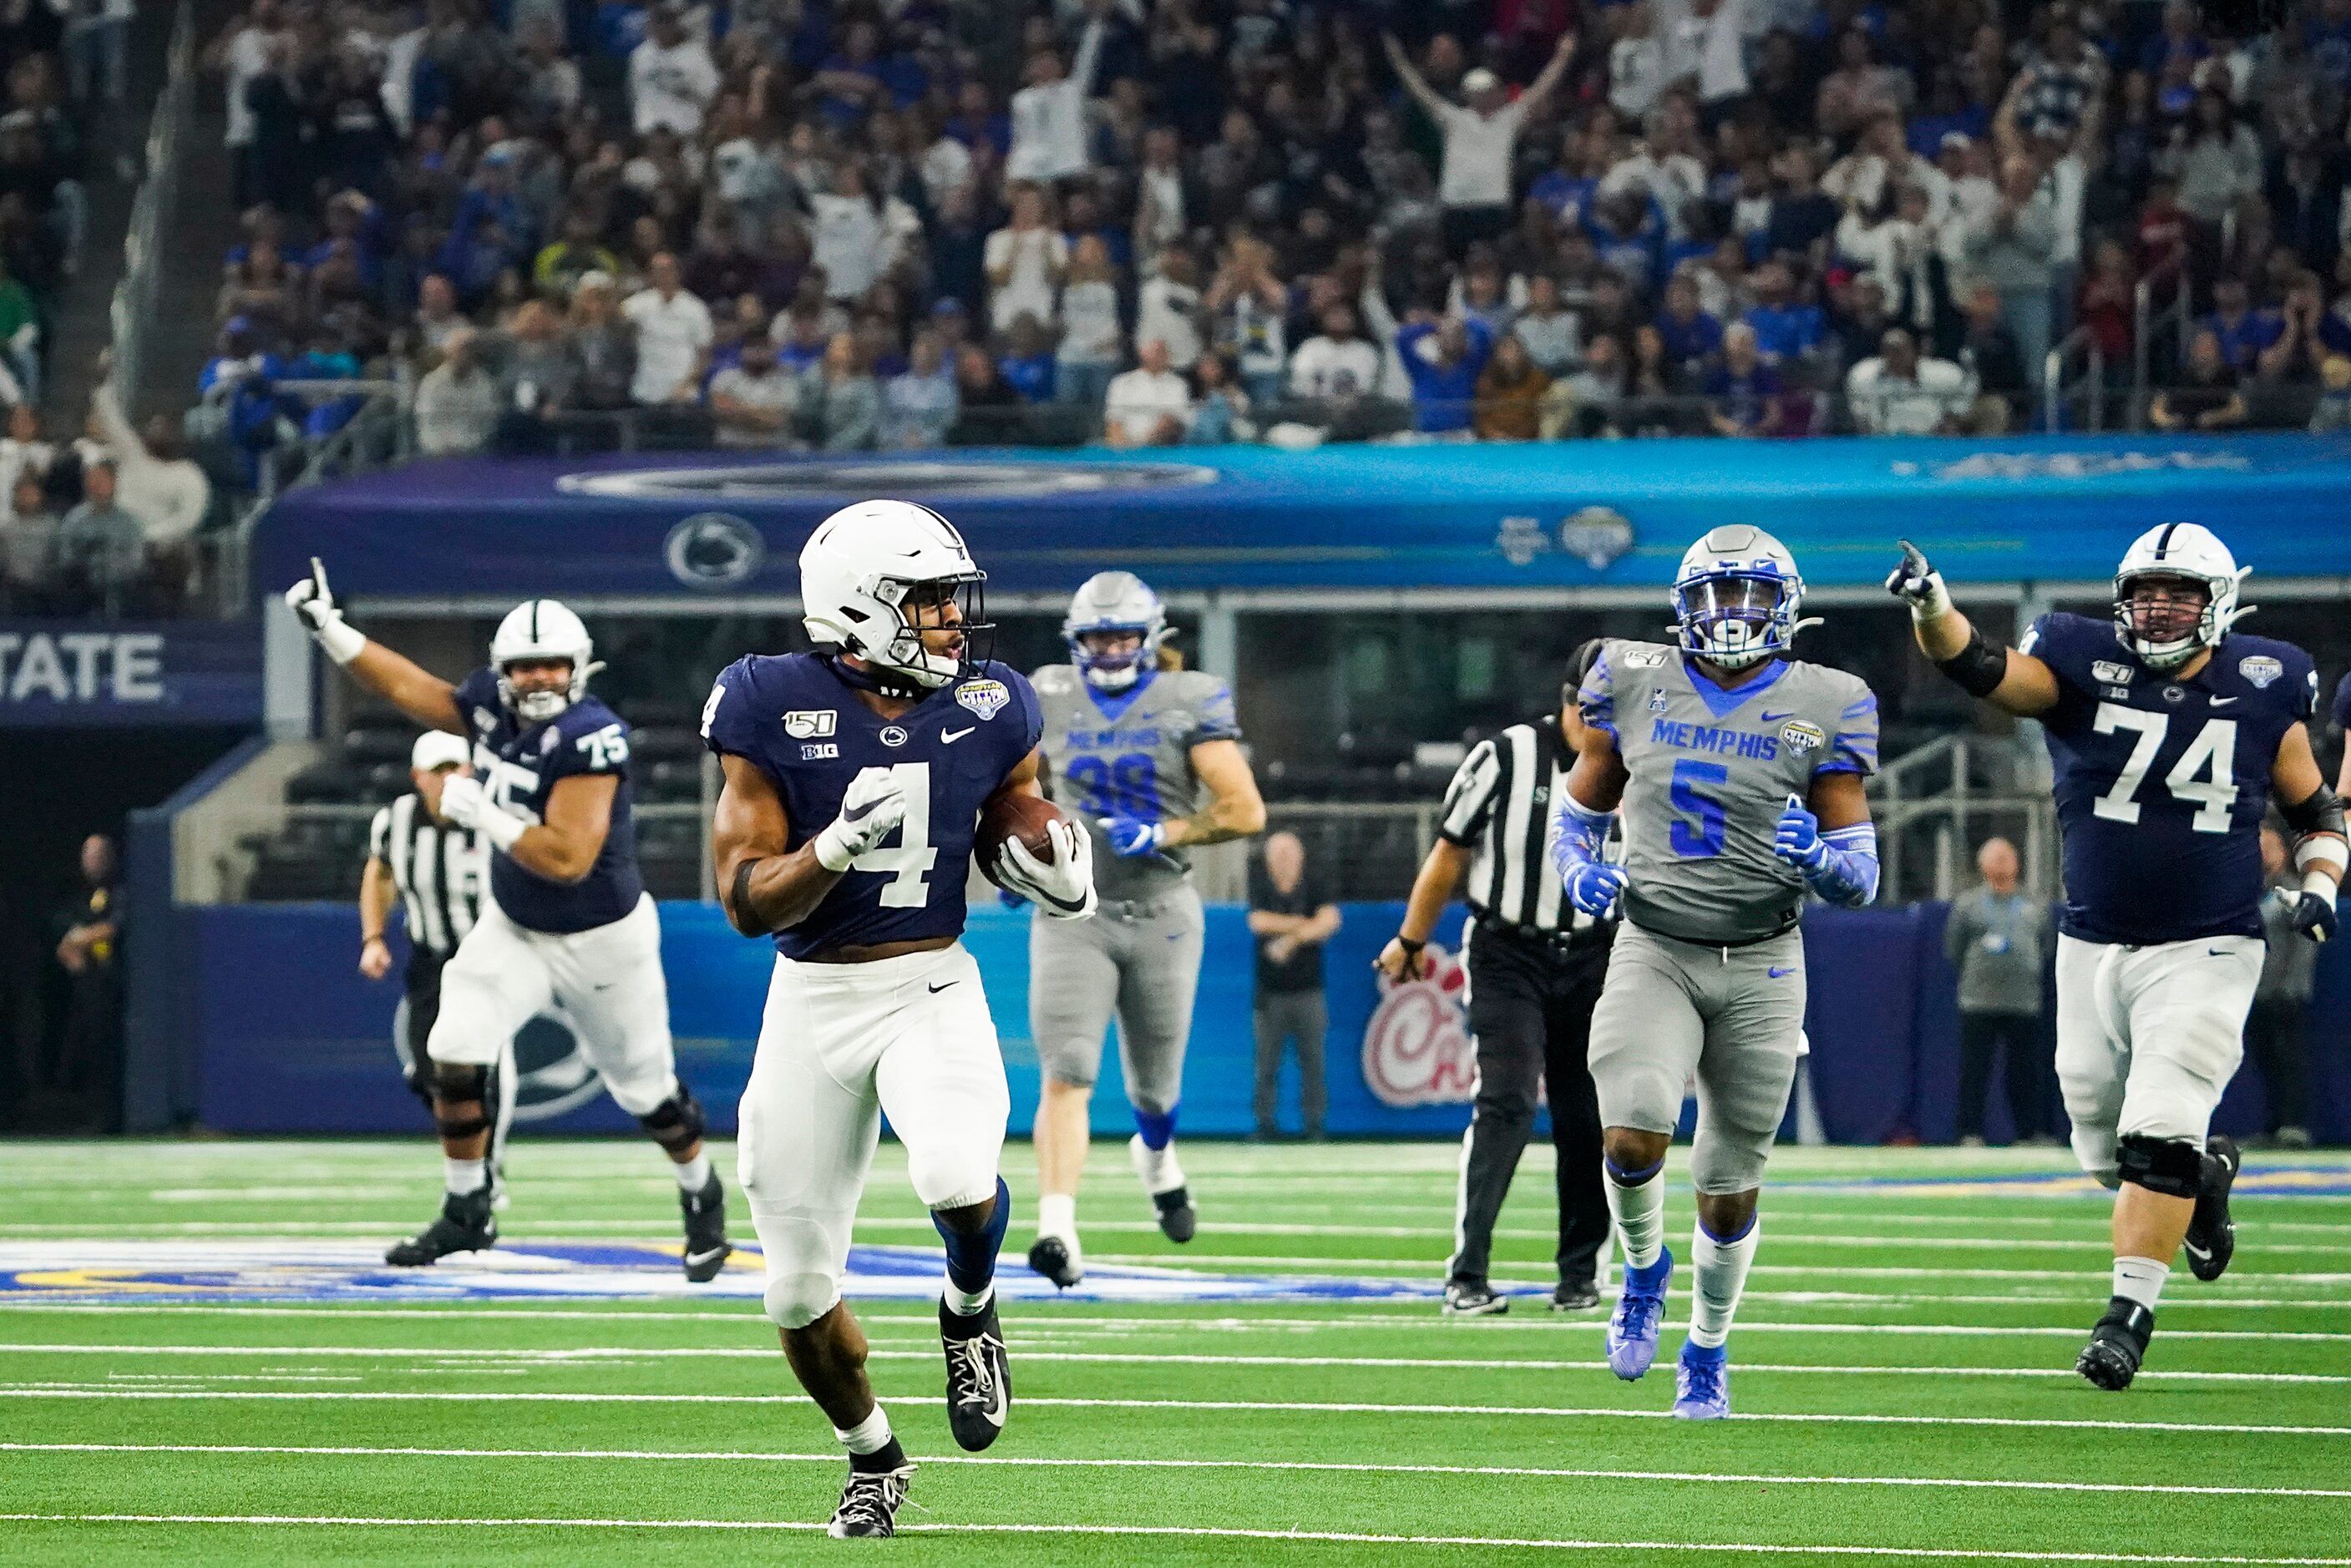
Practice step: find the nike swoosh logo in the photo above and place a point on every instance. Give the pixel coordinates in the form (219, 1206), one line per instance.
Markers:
(1775, 718)
(1777, 973)
(949, 737)
(2223, 702)
(2201, 1254)
(2216, 952)
(861, 813)
(937, 989)
(700, 1258)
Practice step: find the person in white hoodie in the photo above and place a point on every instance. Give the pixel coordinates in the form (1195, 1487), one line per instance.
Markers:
(167, 493)
(1049, 114)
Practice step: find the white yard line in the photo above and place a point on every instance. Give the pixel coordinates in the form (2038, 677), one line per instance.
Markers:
(833, 1458)
(597, 1353)
(1182, 1531)
(1486, 1412)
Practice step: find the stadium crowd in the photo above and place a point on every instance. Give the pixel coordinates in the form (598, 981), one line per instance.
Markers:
(903, 223)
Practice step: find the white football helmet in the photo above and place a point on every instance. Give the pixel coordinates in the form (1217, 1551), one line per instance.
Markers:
(542, 629)
(1114, 602)
(2191, 551)
(1737, 598)
(860, 567)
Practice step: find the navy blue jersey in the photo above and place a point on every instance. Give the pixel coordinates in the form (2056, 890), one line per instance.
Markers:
(2162, 783)
(794, 718)
(520, 765)
(2341, 709)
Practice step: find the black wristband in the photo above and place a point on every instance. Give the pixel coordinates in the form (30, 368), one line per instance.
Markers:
(1411, 948)
(739, 907)
(1980, 666)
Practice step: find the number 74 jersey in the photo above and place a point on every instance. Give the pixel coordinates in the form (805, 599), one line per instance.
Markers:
(2161, 783)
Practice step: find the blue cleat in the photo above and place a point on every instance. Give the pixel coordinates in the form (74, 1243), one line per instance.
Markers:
(1702, 1383)
(1640, 1306)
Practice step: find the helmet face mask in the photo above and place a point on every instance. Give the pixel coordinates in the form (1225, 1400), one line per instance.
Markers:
(1737, 598)
(550, 648)
(938, 619)
(1114, 629)
(536, 689)
(2175, 595)
(918, 621)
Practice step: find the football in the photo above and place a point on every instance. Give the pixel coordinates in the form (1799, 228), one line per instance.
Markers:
(1008, 816)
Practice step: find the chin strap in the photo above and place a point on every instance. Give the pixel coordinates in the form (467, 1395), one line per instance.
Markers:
(871, 678)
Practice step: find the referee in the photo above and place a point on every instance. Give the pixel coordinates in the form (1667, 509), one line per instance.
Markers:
(1535, 968)
(440, 873)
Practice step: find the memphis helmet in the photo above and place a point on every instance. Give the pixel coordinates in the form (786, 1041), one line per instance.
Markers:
(536, 631)
(866, 564)
(2166, 636)
(1114, 602)
(1737, 596)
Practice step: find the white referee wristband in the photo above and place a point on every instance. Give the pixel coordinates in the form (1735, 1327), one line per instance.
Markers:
(502, 828)
(341, 639)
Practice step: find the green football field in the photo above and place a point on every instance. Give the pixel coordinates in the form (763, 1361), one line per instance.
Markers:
(197, 1365)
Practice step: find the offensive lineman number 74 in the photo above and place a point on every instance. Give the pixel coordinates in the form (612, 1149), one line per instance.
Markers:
(2212, 754)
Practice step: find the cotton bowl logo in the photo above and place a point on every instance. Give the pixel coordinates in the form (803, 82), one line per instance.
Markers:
(1416, 1048)
(713, 550)
(551, 1077)
(1597, 535)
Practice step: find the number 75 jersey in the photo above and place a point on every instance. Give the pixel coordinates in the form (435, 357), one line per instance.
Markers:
(2162, 783)
(796, 720)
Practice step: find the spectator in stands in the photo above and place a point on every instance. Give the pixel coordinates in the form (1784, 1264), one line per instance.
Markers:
(538, 374)
(1247, 305)
(154, 482)
(1861, 88)
(28, 549)
(988, 412)
(2294, 358)
(242, 51)
(1026, 261)
(2217, 162)
(1338, 365)
(1479, 139)
(1744, 390)
(839, 403)
(438, 319)
(457, 403)
(604, 343)
(1988, 353)
(1027, 364)
(1443, 361)
(2011, 250)
(2207, 397)
(1692, 334)
(1899, 392)
(2333, 412)
(1092, 346)
(1510, 394)
(559, 267)
(755, 401)
(1150, 405)
(919, 404)
(101, 551)
(673, 336)
(1168, 306)
(1221, 410)
(1590, 400)
(23, 453)
(1802, 216)
(1546, 329)
(1998, 939)
(1048, 112)
(671, 80)
(1786, 328)
(2243, 332)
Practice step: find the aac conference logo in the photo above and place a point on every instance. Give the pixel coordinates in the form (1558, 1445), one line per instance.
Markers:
(713, 550)
(1416, 1048)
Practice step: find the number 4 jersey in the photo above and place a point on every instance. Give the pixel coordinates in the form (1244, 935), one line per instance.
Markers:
(2162, 783)
(796, 720)
(1129, 754)
(1710, 771)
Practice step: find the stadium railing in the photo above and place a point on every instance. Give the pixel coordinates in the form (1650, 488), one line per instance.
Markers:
(135, 294)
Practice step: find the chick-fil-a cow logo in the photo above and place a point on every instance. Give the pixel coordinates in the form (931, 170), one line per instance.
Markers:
(1416, 1049)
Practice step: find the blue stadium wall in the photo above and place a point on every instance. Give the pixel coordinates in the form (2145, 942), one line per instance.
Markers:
(285, 1037)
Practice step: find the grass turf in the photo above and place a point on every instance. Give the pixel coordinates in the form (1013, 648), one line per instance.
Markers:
(1916, 1342)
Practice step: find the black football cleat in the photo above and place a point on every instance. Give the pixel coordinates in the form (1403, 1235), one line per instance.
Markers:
(1051, 1256)
(465, 1224)
(1178, 1220)
(869, 1503)
(979, 1378)
(1580, 1296)
(2211, 1234)
(2116, 1345)
(706, 1246)
(1464, 1298)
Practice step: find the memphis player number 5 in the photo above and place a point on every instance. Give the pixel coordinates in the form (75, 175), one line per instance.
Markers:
(2205, 775)
(911, 858)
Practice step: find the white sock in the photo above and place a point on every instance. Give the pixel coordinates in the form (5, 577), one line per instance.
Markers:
(1640, 1214)
(965, 1304)
(463, 1175)
(870, 1436)
(694, 1174)
(1157, 1167)
(1717, 1274)
(1057, 1215)
(2140, 1280)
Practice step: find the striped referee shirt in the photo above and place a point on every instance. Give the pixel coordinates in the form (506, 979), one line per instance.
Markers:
(440, 872)
(1500, 807)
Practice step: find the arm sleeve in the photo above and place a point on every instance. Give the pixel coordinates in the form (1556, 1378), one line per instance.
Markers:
(1217, 720)
(1470, 799)
(1855, 749)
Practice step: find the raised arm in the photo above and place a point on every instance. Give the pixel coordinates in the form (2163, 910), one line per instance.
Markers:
(1548, 82)
(407, 686)
(1413, 83)
(2014, 683)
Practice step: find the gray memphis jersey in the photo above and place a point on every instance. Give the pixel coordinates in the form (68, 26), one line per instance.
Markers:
(1129, 754)
(1711, 770)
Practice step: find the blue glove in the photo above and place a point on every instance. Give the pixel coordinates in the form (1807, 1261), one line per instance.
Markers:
(2314, 917)
(1131, 836)
(1798, 839)
(1592, 887)
(1010, 899)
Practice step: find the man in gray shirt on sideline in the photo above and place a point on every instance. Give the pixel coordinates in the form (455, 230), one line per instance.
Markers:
(1998, 938)
(2273, 1028)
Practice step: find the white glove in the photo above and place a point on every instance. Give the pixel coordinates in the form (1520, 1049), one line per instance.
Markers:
(870, 811)
(314, 604)
(1916, 583)
(465, 801)
(1065, 889)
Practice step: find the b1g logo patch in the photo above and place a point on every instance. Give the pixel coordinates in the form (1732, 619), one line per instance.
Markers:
(1799, 736)
(985, 698)
(809, 723)
(2108, 673)
(2261, 670)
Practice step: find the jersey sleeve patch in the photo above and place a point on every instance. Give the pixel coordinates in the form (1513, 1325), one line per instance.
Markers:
(1218, 719)
(730, 715)
(1596, 697)
(1855, 749)
(594, 741)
